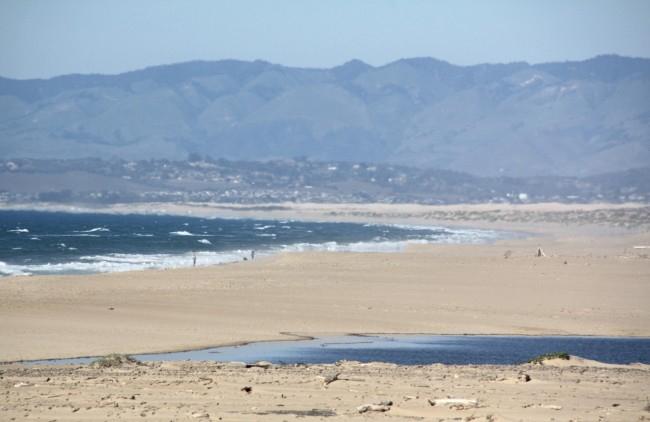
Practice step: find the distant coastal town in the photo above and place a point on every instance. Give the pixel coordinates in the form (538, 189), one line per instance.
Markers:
(203, 179)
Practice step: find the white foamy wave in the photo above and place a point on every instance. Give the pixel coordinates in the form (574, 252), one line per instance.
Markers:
(18, 230)
(34, 238)
(132, 262)
(386, 246)
(11, 270)
(96, 229)
(122, 258)
(186, 233)
(419, 227)
(445, 235)
(263, 227)
(467, 236)
(124, 262)
(71, 235)
(142, 234)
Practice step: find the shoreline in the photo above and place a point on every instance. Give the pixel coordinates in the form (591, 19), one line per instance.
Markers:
(307, 337)
(591, 283)
(156, 260)
(359, 287)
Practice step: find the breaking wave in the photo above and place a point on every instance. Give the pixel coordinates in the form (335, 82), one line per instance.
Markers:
(258, 227)
(124, 262)
(18, 230)
(96, 229)
(159, 244)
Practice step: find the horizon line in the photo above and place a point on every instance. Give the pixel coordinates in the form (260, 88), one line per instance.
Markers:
(207, 61)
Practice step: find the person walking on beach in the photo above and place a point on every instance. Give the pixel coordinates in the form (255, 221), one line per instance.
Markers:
(253, 254)
(193, 259)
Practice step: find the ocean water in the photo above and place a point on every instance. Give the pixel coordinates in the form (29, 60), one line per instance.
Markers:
(62, 243)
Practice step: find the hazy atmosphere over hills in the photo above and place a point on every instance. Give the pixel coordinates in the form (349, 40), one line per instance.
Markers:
(571, 118)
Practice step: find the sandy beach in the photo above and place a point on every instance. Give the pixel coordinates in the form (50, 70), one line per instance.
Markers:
(206, 391)
(594, 280)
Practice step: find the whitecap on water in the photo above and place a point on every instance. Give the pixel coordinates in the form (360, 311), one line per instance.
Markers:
(93, 230)
(18, 230)
(71, 235)
(186, 233)
(258, 227)
(128, 262)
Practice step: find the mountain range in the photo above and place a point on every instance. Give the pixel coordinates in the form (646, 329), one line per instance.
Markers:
(576, 118)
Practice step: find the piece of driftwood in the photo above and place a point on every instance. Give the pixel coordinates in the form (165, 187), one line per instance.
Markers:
(328, 379)
(260, 364)
(383, 406)
(455, 403)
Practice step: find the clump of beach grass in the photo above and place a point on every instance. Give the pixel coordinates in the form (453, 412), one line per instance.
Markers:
(548, 356)
(114, 360)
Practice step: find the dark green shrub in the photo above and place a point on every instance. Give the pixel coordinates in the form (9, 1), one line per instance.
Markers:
(548, 356)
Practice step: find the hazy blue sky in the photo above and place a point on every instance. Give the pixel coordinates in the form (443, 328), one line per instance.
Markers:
(46, 38)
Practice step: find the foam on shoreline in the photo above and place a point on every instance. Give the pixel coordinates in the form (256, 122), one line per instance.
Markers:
(134, 262)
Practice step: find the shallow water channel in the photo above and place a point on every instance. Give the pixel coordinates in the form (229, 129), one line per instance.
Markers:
(414, 350)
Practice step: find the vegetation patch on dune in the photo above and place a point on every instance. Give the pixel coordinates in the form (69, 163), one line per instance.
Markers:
(114, 360)
(548, 356)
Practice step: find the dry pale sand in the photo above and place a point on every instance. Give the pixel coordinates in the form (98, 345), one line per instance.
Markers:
(210, 391)
(592, 281)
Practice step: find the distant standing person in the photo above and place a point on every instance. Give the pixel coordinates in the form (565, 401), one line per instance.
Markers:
(193, 259)
(252, 254)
